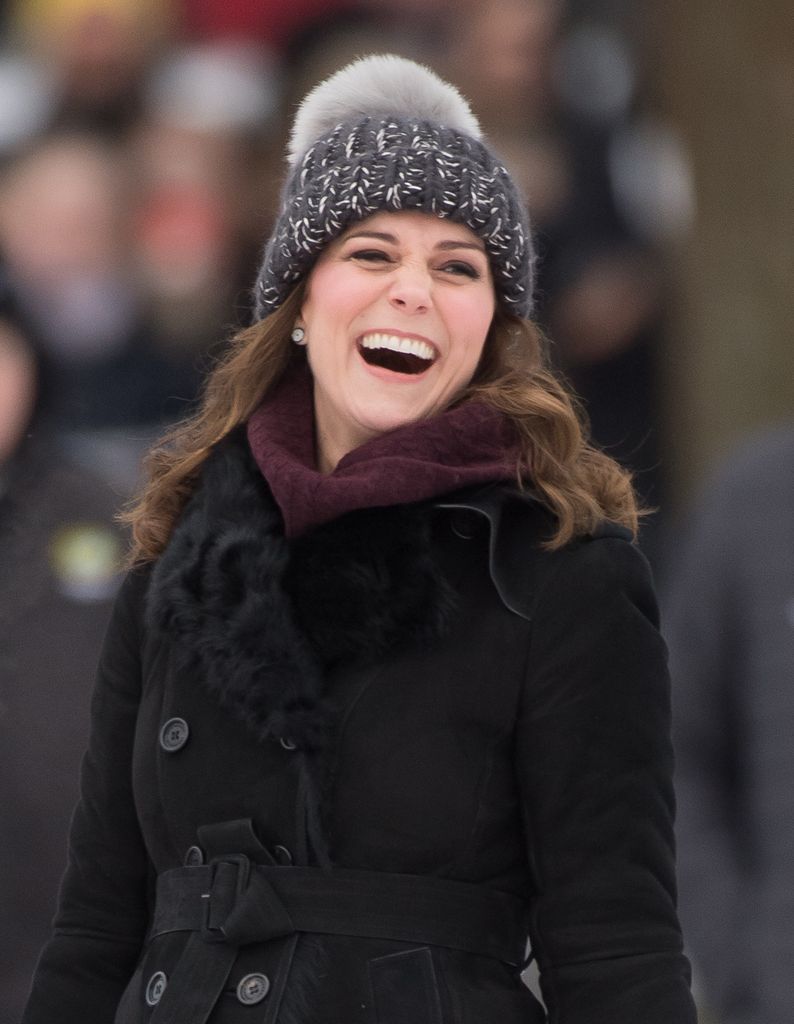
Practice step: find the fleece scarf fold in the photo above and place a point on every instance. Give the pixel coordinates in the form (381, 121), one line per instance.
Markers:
(467, 445)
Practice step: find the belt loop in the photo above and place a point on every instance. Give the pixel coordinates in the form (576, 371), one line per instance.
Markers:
(229, 878)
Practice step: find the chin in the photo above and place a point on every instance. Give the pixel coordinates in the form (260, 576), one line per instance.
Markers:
(383, 422)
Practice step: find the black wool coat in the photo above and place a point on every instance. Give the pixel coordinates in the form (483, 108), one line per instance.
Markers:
(420, 693)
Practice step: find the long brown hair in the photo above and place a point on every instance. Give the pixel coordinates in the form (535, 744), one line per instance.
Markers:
(580, 485)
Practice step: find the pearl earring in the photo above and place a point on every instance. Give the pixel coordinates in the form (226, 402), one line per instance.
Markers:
(299, 336)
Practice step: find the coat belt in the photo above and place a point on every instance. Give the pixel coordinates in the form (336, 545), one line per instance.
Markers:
(232, 902)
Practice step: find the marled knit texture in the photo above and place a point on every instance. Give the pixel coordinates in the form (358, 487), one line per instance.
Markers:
(467, 445)
(361, 168)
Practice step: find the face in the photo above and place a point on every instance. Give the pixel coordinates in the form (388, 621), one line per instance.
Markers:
(396, 315)
(17, 389)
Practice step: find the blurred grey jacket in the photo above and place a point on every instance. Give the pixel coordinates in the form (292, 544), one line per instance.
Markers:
(730, 625)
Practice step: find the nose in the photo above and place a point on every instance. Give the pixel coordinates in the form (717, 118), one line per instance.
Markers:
(411, 291)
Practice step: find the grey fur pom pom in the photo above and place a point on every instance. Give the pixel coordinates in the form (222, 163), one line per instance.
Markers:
(379, 86)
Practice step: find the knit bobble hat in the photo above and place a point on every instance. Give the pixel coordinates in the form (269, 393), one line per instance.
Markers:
(385, 133)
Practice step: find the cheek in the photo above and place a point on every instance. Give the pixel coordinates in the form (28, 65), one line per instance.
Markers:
(473, 324)
(334, 296)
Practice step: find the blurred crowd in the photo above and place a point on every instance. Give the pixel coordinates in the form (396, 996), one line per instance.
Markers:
(141, 149)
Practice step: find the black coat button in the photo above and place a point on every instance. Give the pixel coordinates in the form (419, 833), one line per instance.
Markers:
(193, 857)
(282, 855)
(252, 989)
(287, 743)
(174, 735)
(155, 988)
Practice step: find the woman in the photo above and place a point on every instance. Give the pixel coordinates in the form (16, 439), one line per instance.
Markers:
(370, 714)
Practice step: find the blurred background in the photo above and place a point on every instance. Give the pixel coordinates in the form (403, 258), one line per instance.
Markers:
(141, 152)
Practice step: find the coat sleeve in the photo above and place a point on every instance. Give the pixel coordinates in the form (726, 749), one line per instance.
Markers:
(102, 912)
(595, 766)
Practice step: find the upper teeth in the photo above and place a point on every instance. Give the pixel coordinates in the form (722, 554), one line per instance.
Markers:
(413, 346)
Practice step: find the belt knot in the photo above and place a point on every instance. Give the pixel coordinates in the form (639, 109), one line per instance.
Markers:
(241, 905)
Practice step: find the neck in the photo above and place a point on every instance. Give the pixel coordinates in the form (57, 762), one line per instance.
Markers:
(331, 450)
(328, 454)
(334, 441)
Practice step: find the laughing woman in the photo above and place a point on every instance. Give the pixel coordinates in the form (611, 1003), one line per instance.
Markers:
(383, 709)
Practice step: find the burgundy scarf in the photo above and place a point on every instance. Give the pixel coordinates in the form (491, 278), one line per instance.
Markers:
(470, 444)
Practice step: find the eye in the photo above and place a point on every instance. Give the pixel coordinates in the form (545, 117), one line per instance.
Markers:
(370, 256)
(462, 268)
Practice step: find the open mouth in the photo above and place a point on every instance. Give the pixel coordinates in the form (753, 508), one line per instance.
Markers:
(400, 355)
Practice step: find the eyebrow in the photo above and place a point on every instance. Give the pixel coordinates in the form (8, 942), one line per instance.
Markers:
(446, 246)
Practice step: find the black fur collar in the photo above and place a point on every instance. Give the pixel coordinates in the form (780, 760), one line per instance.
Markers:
(260, 620)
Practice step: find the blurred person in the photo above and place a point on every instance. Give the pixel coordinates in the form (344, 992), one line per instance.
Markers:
(28, 99)
(730, 627)
(269, 23)
(187, 243)
(505, 49)
(65, 234)
(59, 561)
(197, 200)
(413, 28)
(96, 52)
(369, 715)
(599, 279)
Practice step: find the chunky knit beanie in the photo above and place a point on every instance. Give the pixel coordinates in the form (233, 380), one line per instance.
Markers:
(385, 133)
